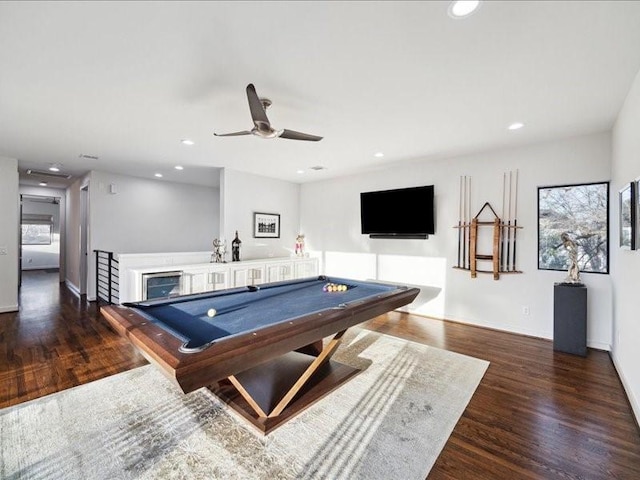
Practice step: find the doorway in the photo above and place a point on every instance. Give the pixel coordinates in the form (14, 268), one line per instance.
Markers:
(84, 239)
(40, 232)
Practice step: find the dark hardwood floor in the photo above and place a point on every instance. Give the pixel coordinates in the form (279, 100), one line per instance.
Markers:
(56, 342)
(537, 413)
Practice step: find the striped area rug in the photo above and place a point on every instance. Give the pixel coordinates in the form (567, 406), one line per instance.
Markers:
(390, 421)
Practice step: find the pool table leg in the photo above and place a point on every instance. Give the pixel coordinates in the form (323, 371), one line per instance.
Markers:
(314, 348)
(324, 356)
(272, 393)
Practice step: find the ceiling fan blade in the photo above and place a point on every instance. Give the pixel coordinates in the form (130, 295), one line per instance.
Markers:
(258, 114)
(292, 135)
(234, 134)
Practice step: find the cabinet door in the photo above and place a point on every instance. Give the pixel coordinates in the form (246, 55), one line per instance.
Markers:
(243, 276)
(278, 272)
(194, 281)
(239, 277)
(217, 279)
(306, 268)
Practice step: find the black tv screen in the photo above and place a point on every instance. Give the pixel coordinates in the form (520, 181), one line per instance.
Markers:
(401, 212)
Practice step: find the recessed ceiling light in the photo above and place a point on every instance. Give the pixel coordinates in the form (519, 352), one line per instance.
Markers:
(179, 167)
(54, 168)
(378, 155)
(463, 8)
(516, 126)
(159, 175)
(43, 184)
(300, 172)
(186, 141)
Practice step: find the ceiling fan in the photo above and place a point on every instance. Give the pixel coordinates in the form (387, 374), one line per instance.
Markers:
(258, 107)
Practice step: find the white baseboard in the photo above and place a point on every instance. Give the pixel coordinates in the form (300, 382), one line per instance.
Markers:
(75, 290)
(525, 332)
(41, 267)
(599, 345)
(9, 308)
(635, 406)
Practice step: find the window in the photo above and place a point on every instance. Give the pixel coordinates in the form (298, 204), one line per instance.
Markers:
(582, 212)
(37, 229)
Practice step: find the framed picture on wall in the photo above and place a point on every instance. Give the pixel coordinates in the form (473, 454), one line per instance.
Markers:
(266, 225)
(627, 209)
(637, 213)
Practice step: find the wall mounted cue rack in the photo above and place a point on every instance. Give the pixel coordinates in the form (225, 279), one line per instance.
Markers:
(503, 233)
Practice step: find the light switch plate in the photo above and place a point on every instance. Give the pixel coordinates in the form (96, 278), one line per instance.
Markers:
(3, 250)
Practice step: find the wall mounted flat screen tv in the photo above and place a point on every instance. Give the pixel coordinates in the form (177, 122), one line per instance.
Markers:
(400, 213)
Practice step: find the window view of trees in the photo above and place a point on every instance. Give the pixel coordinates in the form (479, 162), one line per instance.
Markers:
(581, 211)
(36, 234)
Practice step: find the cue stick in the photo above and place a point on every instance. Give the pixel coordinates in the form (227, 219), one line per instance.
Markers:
(515, 221)
(459, 219)
(509, 227)
(469, 215)
(502, 221)
(464, 222)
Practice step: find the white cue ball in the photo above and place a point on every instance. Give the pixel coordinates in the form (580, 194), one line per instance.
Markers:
(211, 312)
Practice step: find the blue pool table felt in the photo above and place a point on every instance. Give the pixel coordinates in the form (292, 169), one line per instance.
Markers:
(250, 309)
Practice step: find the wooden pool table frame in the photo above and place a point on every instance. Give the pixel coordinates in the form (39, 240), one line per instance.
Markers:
(267, 375)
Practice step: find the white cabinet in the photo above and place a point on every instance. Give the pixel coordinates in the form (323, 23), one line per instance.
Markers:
(279, 272)
(206, 277)
(242, 276)
(306, 268)
(218, 278)
(194, 280)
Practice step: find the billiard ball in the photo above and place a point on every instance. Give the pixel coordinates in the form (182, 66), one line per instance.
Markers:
(334, 287)
(211, 312)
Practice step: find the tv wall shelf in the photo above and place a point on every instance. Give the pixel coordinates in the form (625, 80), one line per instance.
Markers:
(503, 234)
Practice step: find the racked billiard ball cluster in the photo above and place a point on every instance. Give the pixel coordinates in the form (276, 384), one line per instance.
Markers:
(334, 287)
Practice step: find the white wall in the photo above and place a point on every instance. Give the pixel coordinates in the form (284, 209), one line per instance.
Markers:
(626, 263)
(149, 216)
(242, 194)
(143, 216)
(9, 211)
(330, 219)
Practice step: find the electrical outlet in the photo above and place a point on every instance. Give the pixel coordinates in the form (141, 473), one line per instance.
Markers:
(3, 250)
(525, 310)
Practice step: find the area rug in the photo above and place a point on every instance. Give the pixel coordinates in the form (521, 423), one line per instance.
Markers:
(390, 421)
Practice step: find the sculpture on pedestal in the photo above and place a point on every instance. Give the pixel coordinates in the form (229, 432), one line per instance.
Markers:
(573, 273)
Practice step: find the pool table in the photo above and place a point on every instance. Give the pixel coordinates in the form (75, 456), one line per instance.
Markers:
(259, 348)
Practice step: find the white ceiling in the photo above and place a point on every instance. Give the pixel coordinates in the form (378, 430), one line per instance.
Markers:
(126, 81)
